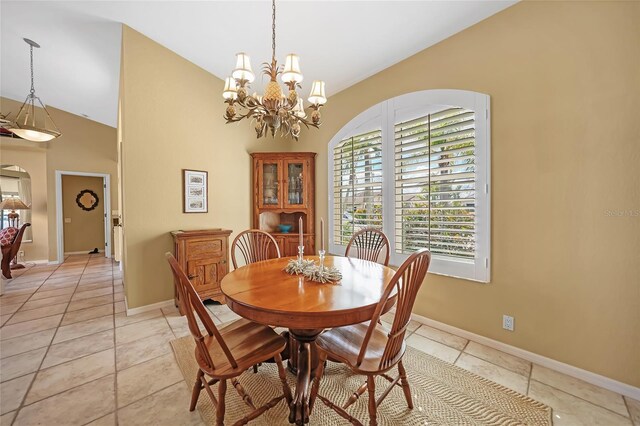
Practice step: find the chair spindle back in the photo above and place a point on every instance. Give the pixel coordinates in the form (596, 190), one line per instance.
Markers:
(254, 246)
(191, 302)
(368, 244)
(407, 280)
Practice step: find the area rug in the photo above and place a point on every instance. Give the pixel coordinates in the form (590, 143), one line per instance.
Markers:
(443, 395)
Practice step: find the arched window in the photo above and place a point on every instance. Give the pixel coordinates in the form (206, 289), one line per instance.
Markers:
(417, 166)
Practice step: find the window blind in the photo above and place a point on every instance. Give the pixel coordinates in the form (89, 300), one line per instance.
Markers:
(435, 182)
(357, 185)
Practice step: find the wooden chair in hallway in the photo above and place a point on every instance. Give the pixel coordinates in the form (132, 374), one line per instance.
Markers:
(369, 244)
(370, 351)
(225, 354)
(254, 246)
(10, 240)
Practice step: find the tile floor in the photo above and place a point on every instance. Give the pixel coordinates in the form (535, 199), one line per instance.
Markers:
(70, 355)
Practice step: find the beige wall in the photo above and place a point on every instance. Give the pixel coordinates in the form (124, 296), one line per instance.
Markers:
(85, 229)
(564, 81)
(85, 146)
(34, 160)
(172, 119)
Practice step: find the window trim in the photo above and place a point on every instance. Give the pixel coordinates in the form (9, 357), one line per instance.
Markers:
(384, 115)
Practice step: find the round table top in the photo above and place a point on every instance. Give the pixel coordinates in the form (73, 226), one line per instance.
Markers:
(264, 293)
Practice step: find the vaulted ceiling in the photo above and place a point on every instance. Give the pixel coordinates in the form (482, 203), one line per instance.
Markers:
(341, 42)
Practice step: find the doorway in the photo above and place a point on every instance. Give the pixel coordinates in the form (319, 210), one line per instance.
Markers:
(83, 213)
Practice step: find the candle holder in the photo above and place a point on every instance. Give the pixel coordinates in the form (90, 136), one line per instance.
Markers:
(321, 254)
(298, 265)
(322, 274)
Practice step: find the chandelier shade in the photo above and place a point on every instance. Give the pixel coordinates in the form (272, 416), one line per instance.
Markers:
(33, 122)
(273, 111)
(317, 95)
(230, 90)
(243, 69)
(291, 72)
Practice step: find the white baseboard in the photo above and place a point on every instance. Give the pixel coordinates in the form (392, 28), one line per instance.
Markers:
(146, 308)
(36, 262)
(569, 370)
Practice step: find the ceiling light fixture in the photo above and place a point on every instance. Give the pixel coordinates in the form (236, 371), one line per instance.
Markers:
(31, 123)
(273, 110)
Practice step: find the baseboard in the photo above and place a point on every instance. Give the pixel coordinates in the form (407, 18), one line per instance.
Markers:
(569, 370)
(36, 262)
(81, 252)
(147, 308)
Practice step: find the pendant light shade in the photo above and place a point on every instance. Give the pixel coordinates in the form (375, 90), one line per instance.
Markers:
(33, 121)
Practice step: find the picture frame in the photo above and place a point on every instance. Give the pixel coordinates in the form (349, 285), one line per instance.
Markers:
(195, 186)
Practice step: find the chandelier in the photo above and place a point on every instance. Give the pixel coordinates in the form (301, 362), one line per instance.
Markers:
(34, 124)
(273, 111)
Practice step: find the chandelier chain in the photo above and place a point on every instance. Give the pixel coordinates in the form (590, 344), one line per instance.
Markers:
(273, 31)
(33, 91)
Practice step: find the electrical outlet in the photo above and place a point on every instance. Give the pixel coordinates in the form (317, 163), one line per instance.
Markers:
(507, 322)
(21, 256)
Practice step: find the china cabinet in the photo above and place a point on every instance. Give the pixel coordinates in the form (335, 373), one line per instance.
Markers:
(204, 256)
(284, 191)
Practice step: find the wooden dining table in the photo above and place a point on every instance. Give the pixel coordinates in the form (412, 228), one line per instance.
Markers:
(264, 293)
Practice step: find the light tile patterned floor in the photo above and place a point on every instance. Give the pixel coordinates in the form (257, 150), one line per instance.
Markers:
(70, 355)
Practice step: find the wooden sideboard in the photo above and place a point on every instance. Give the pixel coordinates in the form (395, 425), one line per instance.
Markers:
(284, 192)
(204, 256)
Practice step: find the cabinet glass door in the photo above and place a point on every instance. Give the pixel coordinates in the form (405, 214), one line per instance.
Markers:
(270, 190)
(296, 194)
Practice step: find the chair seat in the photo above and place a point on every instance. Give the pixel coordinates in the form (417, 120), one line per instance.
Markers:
(343, 344)
(249, 342)
(7, 235)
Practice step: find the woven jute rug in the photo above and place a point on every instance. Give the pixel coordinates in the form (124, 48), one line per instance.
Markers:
(443, 395)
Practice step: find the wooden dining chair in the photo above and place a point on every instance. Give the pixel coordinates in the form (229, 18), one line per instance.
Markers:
(226, 353)
(369, 350)
(369, 244)
(254, 246)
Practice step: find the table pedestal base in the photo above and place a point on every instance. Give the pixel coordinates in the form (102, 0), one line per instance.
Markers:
(292, 350)
(299, 407)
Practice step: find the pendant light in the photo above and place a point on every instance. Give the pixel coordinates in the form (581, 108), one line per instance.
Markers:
(31, 123)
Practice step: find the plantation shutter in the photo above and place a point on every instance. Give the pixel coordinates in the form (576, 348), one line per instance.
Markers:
(357, 185)
(435, 182)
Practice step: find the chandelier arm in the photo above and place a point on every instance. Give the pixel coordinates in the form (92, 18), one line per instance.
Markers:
(240, 116)
(22, 108)
(244, 104)
(308, 123)
(48, 115)
(32, 102)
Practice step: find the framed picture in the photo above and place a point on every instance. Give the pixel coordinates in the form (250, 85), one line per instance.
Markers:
(194, 193)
